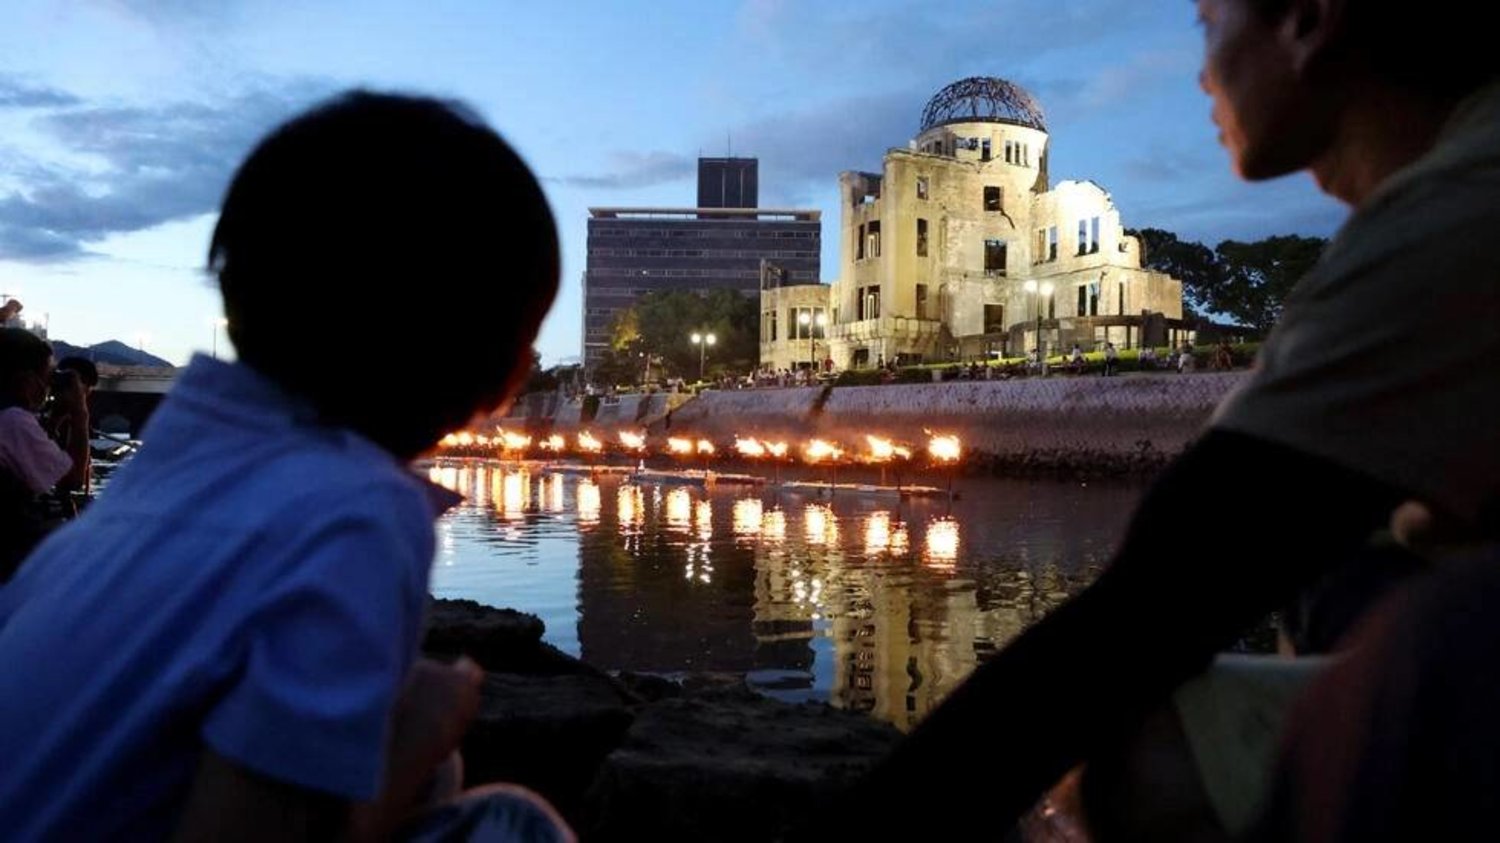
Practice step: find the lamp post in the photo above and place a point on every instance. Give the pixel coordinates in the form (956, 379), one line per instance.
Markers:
(808, 320)
(1042, 291)
(703, 341)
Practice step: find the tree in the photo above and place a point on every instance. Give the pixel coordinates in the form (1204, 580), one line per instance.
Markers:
(1246, 282)
(1258, 276)
(661, 323)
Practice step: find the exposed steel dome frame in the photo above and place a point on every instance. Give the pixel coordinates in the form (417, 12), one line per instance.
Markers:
(983, 99)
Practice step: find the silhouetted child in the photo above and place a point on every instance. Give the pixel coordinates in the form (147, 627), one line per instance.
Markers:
(226, 642)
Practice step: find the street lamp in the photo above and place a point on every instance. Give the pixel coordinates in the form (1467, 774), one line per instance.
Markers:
(1042, 291)
(703, 341)
(807, 320)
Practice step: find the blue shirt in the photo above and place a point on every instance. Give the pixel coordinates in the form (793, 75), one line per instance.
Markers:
(251, 581)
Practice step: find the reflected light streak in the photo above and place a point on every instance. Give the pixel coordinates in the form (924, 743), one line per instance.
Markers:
(820, 524)
(877, 533)
(588, 501)
(942, 543)
(679, 508)
(746, 518)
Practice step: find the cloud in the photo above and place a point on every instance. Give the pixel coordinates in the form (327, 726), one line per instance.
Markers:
(803, 151)
(17, 94)
(633, 170)
(150, 165)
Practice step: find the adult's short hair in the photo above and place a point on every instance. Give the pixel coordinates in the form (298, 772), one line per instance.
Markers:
(21, 353)
(1447, 54)
(388, 257)
(88, 373)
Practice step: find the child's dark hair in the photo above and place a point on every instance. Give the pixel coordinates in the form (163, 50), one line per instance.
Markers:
(389, 258)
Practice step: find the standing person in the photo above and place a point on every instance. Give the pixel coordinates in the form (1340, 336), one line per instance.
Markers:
(1185, 360)
(67, 420)
(225, 645)
(32, 464)
(1111, 359)
(1352, 408)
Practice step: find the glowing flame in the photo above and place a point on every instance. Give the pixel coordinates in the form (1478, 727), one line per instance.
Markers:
(749, 448)
(944, 448)
(884, 450)
(705, 446)
(449, 441)
(632, 441)
(554, 443)
(679, 446)
(465, 438)
(482, 439)
(818, 450)
(942, 543)
(588, 444)
(775, 449)
(514, 441)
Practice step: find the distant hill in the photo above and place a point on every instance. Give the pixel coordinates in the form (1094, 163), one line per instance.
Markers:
(113, 352)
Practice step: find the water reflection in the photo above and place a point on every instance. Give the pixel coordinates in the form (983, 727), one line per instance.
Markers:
(676, 579)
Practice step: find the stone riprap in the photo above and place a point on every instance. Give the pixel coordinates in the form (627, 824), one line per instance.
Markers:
(1059, 418)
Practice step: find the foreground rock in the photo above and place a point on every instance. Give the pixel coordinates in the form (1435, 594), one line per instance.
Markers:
(729, 765)
(707, 759)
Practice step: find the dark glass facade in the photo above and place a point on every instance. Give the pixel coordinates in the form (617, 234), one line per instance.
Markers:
(728, 183)
(632, 251)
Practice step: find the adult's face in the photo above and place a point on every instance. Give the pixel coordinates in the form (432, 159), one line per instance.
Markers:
(1262, 105)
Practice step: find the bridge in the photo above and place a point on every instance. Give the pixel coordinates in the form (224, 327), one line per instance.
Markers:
(127, 395)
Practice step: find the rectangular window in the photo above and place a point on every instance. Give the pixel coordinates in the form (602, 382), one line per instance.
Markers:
(1009, 150)
(773, 326)
(1083, 304)
(1093, 235)
(992, 198)
(984, 149)
(921, 301)
(872, 248)
(859, 303)
(921, 238)
(921, 187)
(1121, 300)
(994, 257)
(1083, 237)
(994, 318)
(1052, 306)
(1052, 243)
(872, 303)
(859, 244)
(1094, 299)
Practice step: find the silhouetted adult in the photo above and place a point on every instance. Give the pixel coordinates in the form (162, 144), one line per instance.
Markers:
(1377, 385)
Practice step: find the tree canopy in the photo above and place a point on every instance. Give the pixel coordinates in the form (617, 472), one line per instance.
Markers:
(659, 329)
(1246, 282)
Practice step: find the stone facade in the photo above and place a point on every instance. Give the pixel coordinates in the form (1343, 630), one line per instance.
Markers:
(960, 247)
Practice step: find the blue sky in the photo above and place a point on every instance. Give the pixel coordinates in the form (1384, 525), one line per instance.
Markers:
(121, 120)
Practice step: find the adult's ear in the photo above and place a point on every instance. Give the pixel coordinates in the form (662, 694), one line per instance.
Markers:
(1312, 31)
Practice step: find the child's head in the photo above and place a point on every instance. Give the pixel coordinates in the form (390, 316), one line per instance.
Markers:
(390, 259)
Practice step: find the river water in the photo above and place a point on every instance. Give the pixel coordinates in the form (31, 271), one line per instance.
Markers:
(864, 600)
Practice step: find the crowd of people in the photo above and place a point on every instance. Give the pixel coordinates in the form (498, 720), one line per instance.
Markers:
(225, 644)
